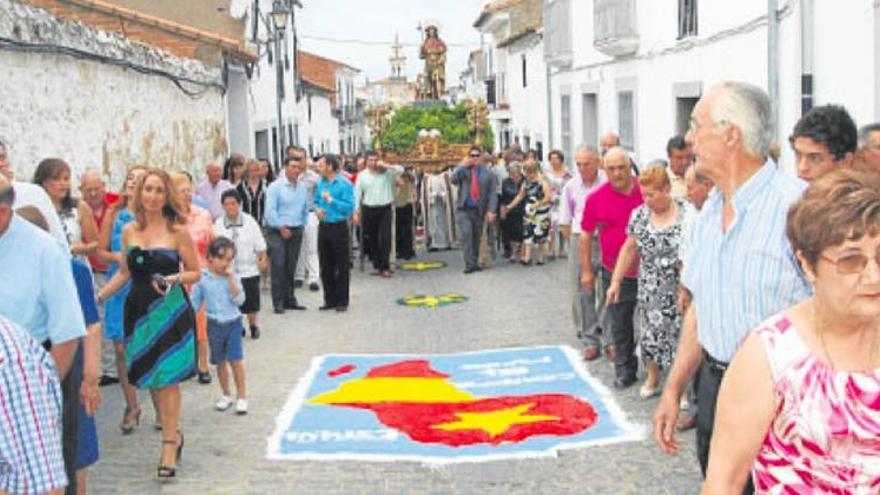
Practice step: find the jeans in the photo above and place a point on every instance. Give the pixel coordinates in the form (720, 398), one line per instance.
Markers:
(283, 255)
(622, 329)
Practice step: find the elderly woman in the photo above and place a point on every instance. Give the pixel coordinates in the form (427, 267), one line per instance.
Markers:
(201, 228)
(252, 191)
(250, 253)
(511, 218)
(654, 233)
(535, 195)
(53, 175)
(798, 407)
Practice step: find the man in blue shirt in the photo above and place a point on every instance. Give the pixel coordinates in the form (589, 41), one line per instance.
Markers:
(334, 202)
(37, 291)
(286, 215)
(741, 269)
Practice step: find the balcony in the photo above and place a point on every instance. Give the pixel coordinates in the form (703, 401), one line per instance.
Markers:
(557, 33)
(614, 27)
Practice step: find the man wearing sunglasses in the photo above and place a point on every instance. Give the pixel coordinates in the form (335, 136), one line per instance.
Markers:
(476, 201)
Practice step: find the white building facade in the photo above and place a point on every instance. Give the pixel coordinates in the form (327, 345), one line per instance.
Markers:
(515, 73)
(262, 105)
(637, 68)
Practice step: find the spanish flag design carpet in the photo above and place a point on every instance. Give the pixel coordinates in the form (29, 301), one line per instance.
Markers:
(465, 407)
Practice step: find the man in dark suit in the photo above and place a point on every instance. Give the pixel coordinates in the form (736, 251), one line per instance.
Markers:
(476, 201)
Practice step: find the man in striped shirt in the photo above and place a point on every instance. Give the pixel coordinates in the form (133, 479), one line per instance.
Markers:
(30, 416)
(740, 269)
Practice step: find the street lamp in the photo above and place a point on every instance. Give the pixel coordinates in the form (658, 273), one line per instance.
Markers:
(279, 15)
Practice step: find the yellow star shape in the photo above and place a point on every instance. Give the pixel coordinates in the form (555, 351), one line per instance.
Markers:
(421, 266)
(495, 422)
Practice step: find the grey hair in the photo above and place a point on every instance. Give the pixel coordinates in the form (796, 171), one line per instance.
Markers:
(657, 162)
(586, 148)
(515, 166)
(617, 150)
(748, 108)
(864, 133)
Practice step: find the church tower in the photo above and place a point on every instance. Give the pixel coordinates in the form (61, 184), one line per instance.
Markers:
(398, 61)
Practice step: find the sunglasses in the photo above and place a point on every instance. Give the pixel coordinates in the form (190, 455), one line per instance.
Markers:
(851, 263)
(474, 156)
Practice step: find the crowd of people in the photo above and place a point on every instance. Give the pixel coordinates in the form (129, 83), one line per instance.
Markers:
(166, 274)
(746, 297)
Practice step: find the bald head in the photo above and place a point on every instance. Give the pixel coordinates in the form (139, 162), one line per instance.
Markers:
(215, 173)
(608, 141)
(92, 189)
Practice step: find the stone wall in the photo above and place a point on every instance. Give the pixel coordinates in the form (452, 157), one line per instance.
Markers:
(96, 113)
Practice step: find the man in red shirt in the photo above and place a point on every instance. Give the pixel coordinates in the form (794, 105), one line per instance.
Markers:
(94, 192)
(607, 213)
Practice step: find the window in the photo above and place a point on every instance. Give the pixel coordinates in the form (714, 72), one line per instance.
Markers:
(687, 18)
(626, 119)
(261, 140)
(683, 109)
(565, 114)
(524, 75)
(309, 104)
(275, 156)
(590, 116)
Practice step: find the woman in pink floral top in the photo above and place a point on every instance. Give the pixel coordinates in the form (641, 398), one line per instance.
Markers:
(201, 229)
(799, 407)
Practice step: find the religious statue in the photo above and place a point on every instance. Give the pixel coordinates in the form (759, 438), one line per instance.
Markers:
(434, 53)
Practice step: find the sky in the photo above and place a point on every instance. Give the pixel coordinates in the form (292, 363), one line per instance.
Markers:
(378, 21)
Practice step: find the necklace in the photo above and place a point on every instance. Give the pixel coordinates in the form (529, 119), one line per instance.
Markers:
(872, 354)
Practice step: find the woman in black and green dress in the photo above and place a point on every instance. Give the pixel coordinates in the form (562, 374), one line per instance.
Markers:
(159, 321)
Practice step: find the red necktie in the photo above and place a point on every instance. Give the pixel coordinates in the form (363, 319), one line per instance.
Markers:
(475, 185)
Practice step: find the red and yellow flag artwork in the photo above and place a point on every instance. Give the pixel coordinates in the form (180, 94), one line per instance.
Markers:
(447, 408)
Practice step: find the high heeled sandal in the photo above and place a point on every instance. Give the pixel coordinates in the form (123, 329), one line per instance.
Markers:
(130, 419)
(167, 472)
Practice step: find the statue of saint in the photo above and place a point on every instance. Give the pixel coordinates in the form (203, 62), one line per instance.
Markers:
(434, 53)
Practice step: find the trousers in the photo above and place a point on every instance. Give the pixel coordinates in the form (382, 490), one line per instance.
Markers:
(587, 308)
(622, 328)
(710, 372)
(307, 265)
(470, 225)
(376, 226)
(283, 256)
(333, 250)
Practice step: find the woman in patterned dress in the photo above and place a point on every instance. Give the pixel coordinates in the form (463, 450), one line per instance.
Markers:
(654, 234)
(535, 196)
(799, 406)
(159, 322)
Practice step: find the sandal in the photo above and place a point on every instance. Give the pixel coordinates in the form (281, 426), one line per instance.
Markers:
(130, 419)
(166, 472)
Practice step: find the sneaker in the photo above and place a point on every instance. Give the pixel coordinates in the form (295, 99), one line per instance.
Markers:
(314, 287)
(224, 403)
(204, 377)
(240, 406)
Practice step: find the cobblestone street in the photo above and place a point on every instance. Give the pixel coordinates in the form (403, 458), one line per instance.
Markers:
(509, 306)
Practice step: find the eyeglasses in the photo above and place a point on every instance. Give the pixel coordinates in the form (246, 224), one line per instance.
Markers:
(849, 264)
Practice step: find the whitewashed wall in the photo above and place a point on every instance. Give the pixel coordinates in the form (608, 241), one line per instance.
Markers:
(95, 115)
